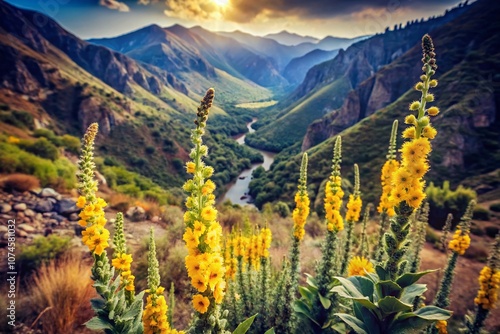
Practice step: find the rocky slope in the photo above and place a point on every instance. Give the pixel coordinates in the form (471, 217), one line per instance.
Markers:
(297, 68)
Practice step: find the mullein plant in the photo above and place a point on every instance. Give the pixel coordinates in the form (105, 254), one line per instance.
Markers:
(315, 308)
(458, 245)
(352, 216)
(382, 302)
(446, 230)
(287, 321)
(421, 223)
(487, 295)
(205, 261)
(386, 206)
(155, 317)
(118, 310)
(364, 248)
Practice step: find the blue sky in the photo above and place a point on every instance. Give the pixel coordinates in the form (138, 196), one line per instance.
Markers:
(318, 18)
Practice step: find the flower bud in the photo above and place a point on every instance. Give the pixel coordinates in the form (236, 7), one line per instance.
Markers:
(414, 105)
(433, 83)
(433, 111)
(424, 121)
(429, 97)
(419, 86)
(423, 77)
(411, 119)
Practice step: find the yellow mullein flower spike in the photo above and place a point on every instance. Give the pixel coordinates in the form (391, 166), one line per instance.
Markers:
(301, 211)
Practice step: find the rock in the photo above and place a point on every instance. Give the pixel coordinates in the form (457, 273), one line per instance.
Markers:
(156, 219)
(20, 215)
(74, 217)
(29, 213)
(44, 205)
(20, 207)
(47, 214)
(49, 192)
(38, 217)
(26, 228)
(66, 206)
(4, 208)
(22, 234)
(53, 223)
(136, 214)
(3, 229)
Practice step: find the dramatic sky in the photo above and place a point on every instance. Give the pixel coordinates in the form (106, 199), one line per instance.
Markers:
(318, 18)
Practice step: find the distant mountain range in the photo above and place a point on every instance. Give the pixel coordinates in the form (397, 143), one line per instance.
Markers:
(286, 38)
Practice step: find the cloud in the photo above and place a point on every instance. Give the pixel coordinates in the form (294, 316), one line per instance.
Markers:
(244, 11)
(116, 5)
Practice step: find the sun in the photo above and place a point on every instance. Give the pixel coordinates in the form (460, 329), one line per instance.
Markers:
(221, 3)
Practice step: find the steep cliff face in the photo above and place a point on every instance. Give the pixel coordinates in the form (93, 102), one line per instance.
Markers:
(386, 85)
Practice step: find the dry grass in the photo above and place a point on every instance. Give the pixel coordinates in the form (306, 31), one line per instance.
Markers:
(120, 202)
(62, 291)
(20, 182)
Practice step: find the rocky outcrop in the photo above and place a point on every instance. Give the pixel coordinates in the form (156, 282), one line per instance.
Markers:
(92, 110)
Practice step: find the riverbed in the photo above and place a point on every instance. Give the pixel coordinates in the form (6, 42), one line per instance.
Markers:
(237, 191)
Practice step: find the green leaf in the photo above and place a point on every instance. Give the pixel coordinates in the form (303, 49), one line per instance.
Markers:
(372, 277)
(325, 301)
(410, 278)
(381, 272)
(134, 309)
(415, 322)
(306, 293)
(97, 303)
(245, 325)
(412, 291)
(270, 331)
(301, 308)
(98, 323)
(369, 317)
(356, 324)
(388, 288)
(391, 304)
(431, 313)
(311, 281)
(349, 290)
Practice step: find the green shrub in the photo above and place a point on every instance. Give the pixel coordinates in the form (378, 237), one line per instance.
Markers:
(431, 235)
(282, 209)
(42, 148)
(481, 214)
(49, 134)
(42, 250)
(20, 119)
(495, 207)
(443, 200)
(150, 150)
(476, 230)
(71, 144)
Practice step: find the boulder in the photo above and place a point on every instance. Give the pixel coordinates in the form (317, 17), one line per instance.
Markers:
(29, 213)
(20, 207)
(66, 207)
(5, 208)
(49, 192)
(26, 228)
(3, 229)
(136, 214)
(74, 217)
(44, 206)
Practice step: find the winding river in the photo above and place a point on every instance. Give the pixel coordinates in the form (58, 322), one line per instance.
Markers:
(237, 192)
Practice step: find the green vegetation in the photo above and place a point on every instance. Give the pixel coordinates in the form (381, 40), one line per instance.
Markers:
(20, 119)
(59, 173)
(289, 126)
(42, 250)
(443, 200)
(256, 105)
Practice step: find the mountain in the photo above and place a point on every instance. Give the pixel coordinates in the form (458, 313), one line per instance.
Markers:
(468, 95)
(51, 79)
(286, 38)
(195, 53)
(326, 85)
(297, 68)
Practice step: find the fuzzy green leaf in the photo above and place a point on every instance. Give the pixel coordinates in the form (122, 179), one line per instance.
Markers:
(412, 291)
(391, 304)
(98, 323)
(410, 278)
(303, 310)
(388, 288)
(306, 293)
(270, 331)
(357, 325)
(325, 301)
(245, 325)
(311, 281)
(415, 322)
(134, 310)
(381, 272)
(368, 317)
(97, 303)
(431, 313)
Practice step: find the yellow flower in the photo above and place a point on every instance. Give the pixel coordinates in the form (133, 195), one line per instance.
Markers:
(13, 140)
(429, 132)
(216, 274)
(219, 291)
(201, 303)
(81, 202)
(489, 282)
(98, 244)
(353, 208)
(409, 132)
(441, 326)
(460, 242)
(122, 262)
(208, 213)
(359, 265)
(191, 239)
(190, 167)
(433, 111)
(200, 282)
